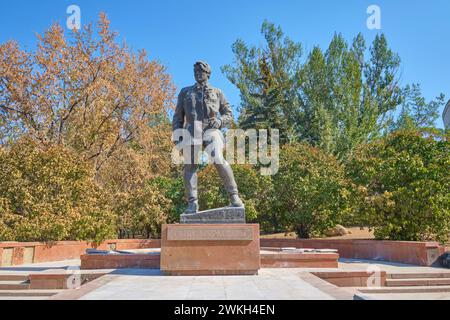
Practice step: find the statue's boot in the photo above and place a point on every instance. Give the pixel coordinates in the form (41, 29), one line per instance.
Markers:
(236, 201)
(192, 207)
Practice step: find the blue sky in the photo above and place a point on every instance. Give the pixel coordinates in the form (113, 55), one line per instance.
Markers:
(179, 32)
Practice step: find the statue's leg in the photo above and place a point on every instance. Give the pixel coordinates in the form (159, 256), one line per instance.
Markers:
(226, 173)
(190, 181)
(227, 176)
(214, 145)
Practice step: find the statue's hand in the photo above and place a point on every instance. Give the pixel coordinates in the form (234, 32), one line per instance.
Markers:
(176, 142)
(215, 123)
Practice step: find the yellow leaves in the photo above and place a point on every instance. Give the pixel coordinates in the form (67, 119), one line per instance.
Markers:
(48, 192)
(104, 29)
(143, 211)
(90, 95)
(89, 118)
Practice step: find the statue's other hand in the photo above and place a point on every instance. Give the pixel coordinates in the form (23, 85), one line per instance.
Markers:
(215, 123)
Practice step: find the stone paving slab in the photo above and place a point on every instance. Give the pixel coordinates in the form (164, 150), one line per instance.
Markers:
(21, 298)
(390, 267)
(404, 296)
(270, 284)
(40, 267)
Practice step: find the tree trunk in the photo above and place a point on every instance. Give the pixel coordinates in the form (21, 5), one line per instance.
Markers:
(302, 231)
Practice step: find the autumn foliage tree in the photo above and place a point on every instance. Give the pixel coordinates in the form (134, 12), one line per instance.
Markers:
(49, 194)
(87, 94)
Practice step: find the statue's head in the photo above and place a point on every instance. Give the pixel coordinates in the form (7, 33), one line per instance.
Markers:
(202, 71)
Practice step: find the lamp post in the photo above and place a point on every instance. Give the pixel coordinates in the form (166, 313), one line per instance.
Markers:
(446, 115)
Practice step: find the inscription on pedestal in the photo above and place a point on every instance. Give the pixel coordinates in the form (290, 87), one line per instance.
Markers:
(191, 233)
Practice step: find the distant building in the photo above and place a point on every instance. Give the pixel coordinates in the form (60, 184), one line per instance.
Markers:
(446, 116)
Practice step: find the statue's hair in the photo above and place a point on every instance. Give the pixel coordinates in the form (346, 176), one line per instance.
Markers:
(203, 65)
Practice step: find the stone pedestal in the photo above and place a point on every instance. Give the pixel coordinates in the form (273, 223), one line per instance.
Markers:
(210, 249)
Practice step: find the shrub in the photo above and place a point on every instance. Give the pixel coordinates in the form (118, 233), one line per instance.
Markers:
(142, 212)
(310, 190)
(173, 190)
(406, 181)
(47, 194)
(254, 190)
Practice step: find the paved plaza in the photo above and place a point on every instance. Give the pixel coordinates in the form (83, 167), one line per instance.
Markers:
(269, 284)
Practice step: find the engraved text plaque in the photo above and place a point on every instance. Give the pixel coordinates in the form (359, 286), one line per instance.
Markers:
(209, 233)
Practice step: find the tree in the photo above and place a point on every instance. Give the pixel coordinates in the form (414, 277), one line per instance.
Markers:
(416, 113)
(405, 183)
(255, 190)
(346, 100)
(138, 162)
(334, 100)
(87, 93)
(382, 92)
(47, 194)
(142, 212)
(267, 80)
(172, 187)
(311, 190)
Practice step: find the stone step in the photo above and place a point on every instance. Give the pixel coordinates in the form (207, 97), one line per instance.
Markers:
(14, 277)
(418, 282)
(413, 289)
(28, 293)
(22, 298)
(426, 275)
(14, 285)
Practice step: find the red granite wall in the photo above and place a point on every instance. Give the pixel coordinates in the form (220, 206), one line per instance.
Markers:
(416, 253)
(63, 250)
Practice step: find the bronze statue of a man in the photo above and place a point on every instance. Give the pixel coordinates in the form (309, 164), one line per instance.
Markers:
(204, 108)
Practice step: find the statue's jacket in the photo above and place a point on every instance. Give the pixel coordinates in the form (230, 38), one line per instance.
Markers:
(197, 105)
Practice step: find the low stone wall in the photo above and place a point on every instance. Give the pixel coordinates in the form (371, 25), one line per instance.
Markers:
(17, 253)
(354, 278)
(416, 253)
(126, 261)
(298, 260)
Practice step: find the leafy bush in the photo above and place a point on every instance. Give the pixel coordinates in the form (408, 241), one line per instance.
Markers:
(47, 194)
(405, 179)
(254, 190)
(142, 212)
(310, 190)
(173, 190)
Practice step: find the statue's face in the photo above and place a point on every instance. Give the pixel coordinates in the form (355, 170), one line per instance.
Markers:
(201, 76)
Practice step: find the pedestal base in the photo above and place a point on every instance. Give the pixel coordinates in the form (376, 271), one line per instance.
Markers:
(227, 215)
(209, 249)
